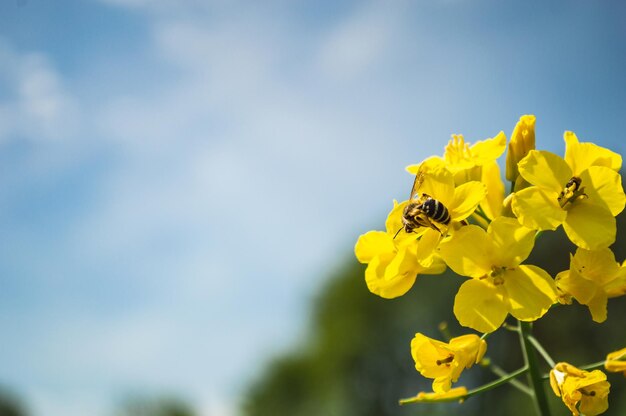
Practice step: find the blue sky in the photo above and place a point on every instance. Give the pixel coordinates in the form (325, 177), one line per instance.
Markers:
(177, 178)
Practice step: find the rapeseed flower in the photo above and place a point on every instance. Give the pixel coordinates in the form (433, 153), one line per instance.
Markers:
(394, 263)
(445, 362)
(583, 192)
(500, 284)
(593, 277)
(585, 392)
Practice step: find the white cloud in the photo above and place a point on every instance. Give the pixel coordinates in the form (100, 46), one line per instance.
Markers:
(36, 104)
(358, 43)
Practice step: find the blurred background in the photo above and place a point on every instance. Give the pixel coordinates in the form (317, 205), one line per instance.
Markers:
(182, 183)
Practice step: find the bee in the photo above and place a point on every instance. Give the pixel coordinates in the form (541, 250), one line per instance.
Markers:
(423, 210)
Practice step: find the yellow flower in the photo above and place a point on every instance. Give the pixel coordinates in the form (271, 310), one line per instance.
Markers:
(522, 141)
(474, 163)
(583, 192)
(593, 277)
(457, 393)
(500, 285)
(585, 392)
(616, 361)
(445, 362)
(393, 264)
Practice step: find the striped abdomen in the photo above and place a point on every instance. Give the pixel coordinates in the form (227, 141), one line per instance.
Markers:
(436, 211)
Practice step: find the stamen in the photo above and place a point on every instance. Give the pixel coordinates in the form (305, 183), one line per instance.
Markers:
(446, 361)
(571, 192)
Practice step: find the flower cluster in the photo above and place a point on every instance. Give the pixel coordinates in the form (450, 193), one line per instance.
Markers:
(458, 217)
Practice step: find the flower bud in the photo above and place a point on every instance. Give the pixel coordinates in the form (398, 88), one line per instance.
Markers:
(522, 141)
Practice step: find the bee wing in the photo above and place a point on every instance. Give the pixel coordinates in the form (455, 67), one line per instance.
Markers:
(417, 183)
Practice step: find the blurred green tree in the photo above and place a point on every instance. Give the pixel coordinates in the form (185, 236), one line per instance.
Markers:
(145, 406)
(10, 405)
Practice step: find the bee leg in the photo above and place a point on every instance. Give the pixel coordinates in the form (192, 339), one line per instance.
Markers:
(433, 226)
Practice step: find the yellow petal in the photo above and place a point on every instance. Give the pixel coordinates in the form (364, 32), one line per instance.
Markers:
(616, 361)
(486, 151)
(437, 266)
(603, 186)
(598, 403)
(538, 208)
(394, 219)
(372, 244)
(426, 352)
(597, 307)
(598, 266)
(427, 245)
(545, 169)
(390, 276)
(530, 290)
(466, 198)
(438, 182)
(468, 251)
(573, 283)
(580, 156)
(590, 226)
(456, 393)
(472, 346)
(512, 241)
(492, 204)
(479, 305)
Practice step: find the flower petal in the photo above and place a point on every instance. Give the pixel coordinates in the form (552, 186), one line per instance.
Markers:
(468, 251)
(479, 305)
(492, 204)
(394, 219)
(598, 266)
(545, 169)
(466, 198)
(427, 245)
(372, 244)
(438, 182)
(488, 150)
(512, 241)
(590, 226)
(538, 208)
(426, 351)
(597, 307)
(603, 186)
(573, 283)
(580, 156)
(530, 291)
(390, 276)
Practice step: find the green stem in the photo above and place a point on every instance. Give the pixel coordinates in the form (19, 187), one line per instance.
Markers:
(472, 392)
(534, 376)
(515, 383)
(593, 366)
(541, 351)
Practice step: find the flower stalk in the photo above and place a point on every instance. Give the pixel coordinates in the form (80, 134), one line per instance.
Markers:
(534, 375)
